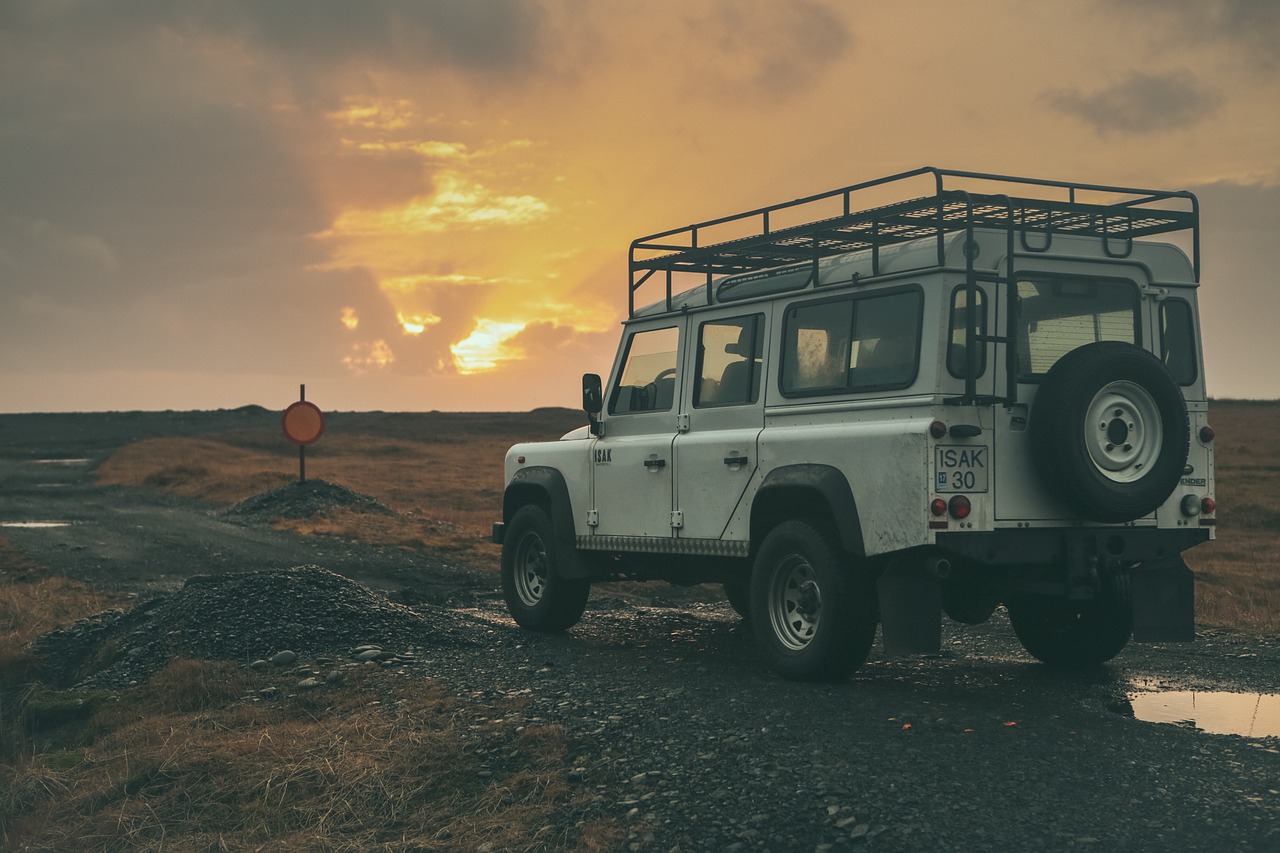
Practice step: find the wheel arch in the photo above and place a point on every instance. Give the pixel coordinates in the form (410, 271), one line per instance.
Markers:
(547, 488)
(812, 491)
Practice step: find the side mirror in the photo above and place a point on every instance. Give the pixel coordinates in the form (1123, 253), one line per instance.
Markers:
(593, 400)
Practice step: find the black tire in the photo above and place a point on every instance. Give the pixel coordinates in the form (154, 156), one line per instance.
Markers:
(738, 591)
(1109, 431)
(538, 596)
(1073, 635)
(968, 606)
(813, 611)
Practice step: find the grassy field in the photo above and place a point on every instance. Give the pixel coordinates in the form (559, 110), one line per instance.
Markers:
(184, 764)
(447, 490)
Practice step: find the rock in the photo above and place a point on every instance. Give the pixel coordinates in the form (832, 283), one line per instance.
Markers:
(284, 658)
(308, 683)
(259, 665)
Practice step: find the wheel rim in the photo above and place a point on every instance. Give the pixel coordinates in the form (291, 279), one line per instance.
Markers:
(530, 569)
(795, 602)
(1123, 431)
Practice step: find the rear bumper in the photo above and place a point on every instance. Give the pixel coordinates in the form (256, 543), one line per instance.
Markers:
(1098, 546)
(499, 532)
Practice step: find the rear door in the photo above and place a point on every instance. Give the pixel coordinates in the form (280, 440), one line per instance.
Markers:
(717, 456)
(1060, 309)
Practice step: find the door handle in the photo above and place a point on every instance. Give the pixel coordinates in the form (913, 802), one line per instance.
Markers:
(655, 463)
(736, 460)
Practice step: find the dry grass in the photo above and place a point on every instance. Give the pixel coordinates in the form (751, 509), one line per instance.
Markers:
(189, 761)
(381, 764)
(1237, 577)
(446, 493)
(31, 604)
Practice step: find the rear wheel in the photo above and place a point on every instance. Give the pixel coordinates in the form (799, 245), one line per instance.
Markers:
(538, 596)
(813, 613)
(738, 590)
(1073, 634)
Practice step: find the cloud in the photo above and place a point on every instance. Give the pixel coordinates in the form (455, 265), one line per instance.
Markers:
(765, 49)
(1142, 103)
(1250, 28)
(456, 202)
(497, 36)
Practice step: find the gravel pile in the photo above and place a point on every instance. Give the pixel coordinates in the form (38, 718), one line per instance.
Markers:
(245, 616)
(303, 500)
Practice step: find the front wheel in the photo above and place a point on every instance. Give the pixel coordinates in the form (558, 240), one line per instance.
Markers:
(538, 596)
(813, 613)
(1072, 634)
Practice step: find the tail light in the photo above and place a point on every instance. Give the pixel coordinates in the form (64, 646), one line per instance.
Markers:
(960, 507)
(938, 429)
(938, 507)
(1206, 434)
(1208, 506)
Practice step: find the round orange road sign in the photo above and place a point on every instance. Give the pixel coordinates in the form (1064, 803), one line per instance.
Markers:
(303, 423)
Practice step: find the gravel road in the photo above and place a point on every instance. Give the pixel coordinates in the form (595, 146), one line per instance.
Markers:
(691, 745)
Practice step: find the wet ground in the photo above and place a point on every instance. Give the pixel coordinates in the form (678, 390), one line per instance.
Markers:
(688, 742)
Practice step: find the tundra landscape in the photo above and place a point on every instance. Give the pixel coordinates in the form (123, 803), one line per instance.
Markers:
(197, 652)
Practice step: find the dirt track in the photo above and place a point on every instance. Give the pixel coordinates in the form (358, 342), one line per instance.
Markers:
(687, 741)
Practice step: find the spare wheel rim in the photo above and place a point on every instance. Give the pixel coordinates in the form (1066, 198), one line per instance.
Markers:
(1123, 431)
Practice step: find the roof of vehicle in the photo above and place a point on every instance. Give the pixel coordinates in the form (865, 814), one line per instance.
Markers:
(805, 231)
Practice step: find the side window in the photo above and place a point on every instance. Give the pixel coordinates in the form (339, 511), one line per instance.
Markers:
(956, 341)
(1178, 340)
(648, 382)
(815, 354)
(729, 353)
(843, 345)
(1056, 316)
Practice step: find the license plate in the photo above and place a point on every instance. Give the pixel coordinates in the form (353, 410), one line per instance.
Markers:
(960, 468)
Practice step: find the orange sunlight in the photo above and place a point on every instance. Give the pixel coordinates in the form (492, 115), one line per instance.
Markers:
(486, 348)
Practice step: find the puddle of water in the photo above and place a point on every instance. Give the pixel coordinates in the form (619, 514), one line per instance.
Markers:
(35, 525)
(1213, 711)
(62, 461)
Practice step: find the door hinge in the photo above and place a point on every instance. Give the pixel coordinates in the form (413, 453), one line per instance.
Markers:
(593, 518)
(677, 519)
(682, 422)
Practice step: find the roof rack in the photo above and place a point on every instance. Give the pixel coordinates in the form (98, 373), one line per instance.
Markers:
(1116, 215)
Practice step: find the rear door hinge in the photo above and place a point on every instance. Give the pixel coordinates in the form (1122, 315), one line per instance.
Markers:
(593, 518)
(677, 519)
(682, 422)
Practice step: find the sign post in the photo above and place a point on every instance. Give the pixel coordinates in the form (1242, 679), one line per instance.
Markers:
(303, 424)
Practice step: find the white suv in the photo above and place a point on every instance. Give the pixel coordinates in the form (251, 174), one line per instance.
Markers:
(987, 390)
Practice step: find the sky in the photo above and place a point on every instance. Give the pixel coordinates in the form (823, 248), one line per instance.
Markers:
(428, 205)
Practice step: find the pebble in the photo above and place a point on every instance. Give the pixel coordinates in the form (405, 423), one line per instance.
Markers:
(284, 658)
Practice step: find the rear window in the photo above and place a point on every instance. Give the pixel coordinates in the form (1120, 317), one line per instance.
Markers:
(852, 344)
(1178, 340)
(1056, 316)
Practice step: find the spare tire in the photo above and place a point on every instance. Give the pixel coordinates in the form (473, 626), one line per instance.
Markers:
(1109, 431)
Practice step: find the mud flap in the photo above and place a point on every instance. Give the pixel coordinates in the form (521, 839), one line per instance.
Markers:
(1164, 609)
(910, 596)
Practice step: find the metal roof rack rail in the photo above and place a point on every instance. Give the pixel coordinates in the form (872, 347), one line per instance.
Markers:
(833, 223)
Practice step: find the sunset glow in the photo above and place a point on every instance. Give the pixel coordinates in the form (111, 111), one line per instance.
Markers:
(399, 204)
(416, 324)
(486, 348)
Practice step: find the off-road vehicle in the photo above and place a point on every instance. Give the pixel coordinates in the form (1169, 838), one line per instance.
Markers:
(936, 392)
